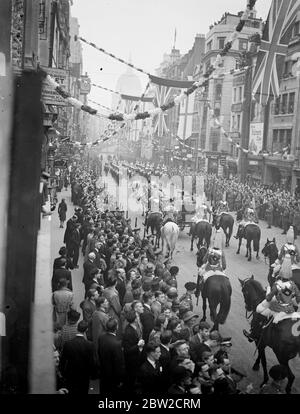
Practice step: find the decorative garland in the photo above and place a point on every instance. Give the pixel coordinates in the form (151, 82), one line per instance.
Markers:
(177, 100)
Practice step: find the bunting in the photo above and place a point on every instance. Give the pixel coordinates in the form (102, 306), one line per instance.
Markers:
(164, 106)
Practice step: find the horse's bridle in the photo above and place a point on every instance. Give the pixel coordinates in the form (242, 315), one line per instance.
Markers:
(251, 313)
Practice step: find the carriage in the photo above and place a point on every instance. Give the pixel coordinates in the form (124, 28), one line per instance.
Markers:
(185, 215)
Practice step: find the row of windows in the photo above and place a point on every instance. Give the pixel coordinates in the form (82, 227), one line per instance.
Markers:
(243, 44)
(238, 94)
(236, 122)
(285, 104)
(282, 138)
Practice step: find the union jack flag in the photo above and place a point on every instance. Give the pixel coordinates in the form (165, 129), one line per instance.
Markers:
(162, 96)
(271, 56)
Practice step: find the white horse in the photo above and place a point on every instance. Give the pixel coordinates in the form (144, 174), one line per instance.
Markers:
(169, 235)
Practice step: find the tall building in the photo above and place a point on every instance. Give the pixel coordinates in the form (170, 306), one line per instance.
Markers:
(282, 166)
(220, 92)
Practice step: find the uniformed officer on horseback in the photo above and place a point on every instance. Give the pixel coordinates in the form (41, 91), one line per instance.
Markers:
(280, 302)
(214, 260)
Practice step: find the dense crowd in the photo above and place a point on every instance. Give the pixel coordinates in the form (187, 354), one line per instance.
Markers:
(134, 331)
(274, 203)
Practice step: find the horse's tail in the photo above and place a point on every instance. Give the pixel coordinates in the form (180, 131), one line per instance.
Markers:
(256, 243)
(225, 303)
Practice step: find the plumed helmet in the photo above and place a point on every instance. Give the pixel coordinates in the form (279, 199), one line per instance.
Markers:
(286, 268)
(290, 237)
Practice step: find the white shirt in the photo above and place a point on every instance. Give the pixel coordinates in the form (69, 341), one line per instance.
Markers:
(152, 363)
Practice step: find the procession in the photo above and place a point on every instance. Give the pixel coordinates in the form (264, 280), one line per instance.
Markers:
(149, 240)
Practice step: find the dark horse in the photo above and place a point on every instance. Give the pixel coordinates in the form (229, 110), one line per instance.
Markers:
(251, 233)
(154, 221)
(226, 222)
(203, 231)
(271, 252)
(217, 290)
(283, 338)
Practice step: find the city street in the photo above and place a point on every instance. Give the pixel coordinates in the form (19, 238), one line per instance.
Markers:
(242, 352)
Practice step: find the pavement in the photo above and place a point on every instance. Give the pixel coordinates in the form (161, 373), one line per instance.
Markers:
(242, 353)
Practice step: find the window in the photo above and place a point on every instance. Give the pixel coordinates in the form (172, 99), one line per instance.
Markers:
(277, 106)
(207, 66)
(291, 103)
(243, 44)
(217, 112)
(232, 122)
(238, 122)
(281, 136)
(288, 137)
(240, 94)
(209, 46)
(284, 103)
(214, 146)
(234, 95)
(221, 42)
(218, 92)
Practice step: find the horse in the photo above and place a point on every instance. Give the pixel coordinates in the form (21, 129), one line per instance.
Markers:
(154, 221)
(226, 222)
(169, 235)
(270, 250)
(283, 338)
(251, 233)
(203, 231)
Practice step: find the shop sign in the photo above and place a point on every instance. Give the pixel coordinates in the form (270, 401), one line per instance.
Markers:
(253, 162)
(49, 96)
(256, 137)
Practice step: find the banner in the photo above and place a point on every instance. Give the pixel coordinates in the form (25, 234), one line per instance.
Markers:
(256, 137)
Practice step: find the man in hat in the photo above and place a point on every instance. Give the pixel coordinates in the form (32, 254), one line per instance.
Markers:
(185, 300)
(290, 247)
(214, 260)
(189, 319)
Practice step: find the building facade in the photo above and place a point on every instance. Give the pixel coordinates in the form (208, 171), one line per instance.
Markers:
(225, 92)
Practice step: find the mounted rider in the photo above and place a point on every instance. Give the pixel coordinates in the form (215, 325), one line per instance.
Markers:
(170, 212)
(203, 213)
(288, 248)
(280, 302)
(222, 207)
(214, 260)
(250, 217)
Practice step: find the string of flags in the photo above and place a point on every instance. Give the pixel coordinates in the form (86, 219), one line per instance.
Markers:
(200, 84)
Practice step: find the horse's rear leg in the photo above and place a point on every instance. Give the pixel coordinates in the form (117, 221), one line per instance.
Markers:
(250, 251)
(256, 364)
(192, 243)
(239, 246)
(262, 356)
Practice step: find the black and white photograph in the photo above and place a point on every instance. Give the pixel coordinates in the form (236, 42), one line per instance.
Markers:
(150, 201)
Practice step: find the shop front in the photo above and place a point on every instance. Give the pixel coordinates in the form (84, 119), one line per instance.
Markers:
(255, 169)
(279, 171)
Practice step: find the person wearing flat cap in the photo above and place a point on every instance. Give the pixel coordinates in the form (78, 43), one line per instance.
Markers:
(185, 300)
(189, 320)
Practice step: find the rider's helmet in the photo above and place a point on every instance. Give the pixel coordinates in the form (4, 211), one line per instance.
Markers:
(214, 256)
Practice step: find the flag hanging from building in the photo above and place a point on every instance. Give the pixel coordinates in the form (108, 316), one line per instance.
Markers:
(163, 95)
(186, 116)
(271, 56)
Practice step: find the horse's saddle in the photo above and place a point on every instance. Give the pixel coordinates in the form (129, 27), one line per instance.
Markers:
(250, 222)
(210, 273)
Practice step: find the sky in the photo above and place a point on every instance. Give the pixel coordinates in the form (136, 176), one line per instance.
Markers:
(143, 30)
